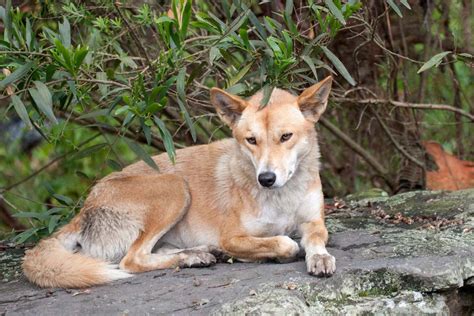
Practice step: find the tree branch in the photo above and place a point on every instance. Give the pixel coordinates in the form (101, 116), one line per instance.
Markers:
(355, 147)
(421, 106)
(156, 143)
(46, 166)
(396, 144)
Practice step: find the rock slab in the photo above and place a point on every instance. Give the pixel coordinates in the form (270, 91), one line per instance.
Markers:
(408, 254)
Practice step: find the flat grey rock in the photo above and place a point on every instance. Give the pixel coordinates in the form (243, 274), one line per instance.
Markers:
(408, 254)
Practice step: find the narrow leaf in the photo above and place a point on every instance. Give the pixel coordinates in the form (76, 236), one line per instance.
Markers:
(86, 152)
(167, 138)
(395, 8)
(142, 154)
(114, 165)
(53, 222)
(434, 61)
(240, 75)
(267, 92)
(310, 63)
(8, 22)
(64, 200)
(289, 7)
(186, 15)
(335, 11)
(22, 237)
(43, 100)
(35, 215)
(17, 74)
(65, 32)
(102, 76)
(28, 34)
(180, 87)
(21, 110)
(339, 65)
(406, 4)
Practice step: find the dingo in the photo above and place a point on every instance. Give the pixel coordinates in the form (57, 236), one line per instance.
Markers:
(241, 196)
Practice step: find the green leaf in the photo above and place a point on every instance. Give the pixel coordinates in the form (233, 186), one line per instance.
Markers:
(43, 100)
(434, 61)
(339, 65)
(146, 131)
(214, 54)
(114, 165)
(8, 22)
(66, 59)
(53, 223)
(406, 4)
(395, 8)
(82, 175)
(289, 7)
(64, 200)
(253, 18)
(122, 109)
(267, 93)
(245, 38)
(35, 215)
(142, 154)
(21, 110)
(86, 152)
(335, 11)
(164, 19)
(65, 32)
(22, 237)
(54, 210)
(180, 87)
(235, 79)
(97, 113)
(28, 34)
(466, 55)
(103, 88)
(186, 15)
(310, 63)
(17, 74)
(167, 138)
(79, 55)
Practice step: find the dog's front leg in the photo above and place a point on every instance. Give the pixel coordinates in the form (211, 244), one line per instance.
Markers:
(259, 248)
(314, 237)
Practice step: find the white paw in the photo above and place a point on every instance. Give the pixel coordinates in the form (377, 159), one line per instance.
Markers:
(288, 247)
(321, 264)
(196, 259)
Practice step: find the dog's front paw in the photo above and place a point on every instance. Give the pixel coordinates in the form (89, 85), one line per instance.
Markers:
(323, 265)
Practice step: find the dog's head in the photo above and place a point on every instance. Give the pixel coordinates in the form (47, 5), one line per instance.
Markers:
(276, 137)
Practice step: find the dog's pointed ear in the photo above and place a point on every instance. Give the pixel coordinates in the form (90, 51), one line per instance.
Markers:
(313, 100)
(229, 107)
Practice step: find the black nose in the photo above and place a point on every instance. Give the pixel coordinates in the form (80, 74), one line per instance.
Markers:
(267, 179)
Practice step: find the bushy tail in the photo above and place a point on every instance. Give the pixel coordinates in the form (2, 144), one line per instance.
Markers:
(50, 264)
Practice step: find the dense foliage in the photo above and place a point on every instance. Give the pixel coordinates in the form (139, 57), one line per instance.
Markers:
(90, 86)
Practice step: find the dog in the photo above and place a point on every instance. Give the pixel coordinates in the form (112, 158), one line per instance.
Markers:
(243, 197)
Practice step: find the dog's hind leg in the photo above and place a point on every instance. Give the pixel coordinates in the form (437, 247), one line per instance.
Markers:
(164, 211)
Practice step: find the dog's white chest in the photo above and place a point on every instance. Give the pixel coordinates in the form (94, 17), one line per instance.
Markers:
(270, 221)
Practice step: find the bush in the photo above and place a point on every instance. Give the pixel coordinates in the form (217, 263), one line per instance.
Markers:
(105, 82)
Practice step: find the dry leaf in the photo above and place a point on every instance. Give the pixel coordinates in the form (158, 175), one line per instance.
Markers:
(452, 174)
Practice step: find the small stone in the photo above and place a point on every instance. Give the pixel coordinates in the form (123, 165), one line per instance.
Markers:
(196, 282)
(87, 291)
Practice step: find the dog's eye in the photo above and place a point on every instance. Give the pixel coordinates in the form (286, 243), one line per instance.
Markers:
(251, 140)
(285, 137)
